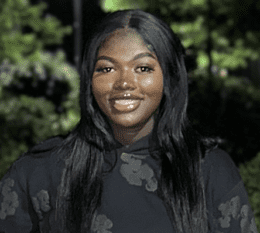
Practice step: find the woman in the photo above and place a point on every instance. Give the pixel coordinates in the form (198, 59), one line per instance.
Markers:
(134, 162)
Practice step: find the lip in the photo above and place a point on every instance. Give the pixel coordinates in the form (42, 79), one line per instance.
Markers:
(125, 107)
(125, 96)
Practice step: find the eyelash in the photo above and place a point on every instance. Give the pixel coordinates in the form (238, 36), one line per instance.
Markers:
(99, 70)
(147, 68)
(102, 69)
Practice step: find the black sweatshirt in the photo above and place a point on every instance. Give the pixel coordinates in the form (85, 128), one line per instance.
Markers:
(130, 203)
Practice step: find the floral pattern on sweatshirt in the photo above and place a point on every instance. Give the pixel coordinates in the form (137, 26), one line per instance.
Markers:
(135, 172)
(102, 224)
(234, 210)
(10, 200)
(41, 203)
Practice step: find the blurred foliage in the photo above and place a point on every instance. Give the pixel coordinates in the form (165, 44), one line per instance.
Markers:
(250, 174)
(229, 108)
(38, 88)
(25, 32)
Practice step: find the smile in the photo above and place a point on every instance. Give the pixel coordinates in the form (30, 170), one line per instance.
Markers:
(126, 105)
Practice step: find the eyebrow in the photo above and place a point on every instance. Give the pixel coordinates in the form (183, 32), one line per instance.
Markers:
(138, 56)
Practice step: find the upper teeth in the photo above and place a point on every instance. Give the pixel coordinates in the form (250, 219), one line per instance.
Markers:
(125, 102)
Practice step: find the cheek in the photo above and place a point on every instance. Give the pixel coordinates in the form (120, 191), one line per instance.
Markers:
(153, 86)
(146, 83)
(101, 88)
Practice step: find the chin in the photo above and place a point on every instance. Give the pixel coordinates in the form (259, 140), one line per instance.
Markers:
(127, 124)
(131, 122)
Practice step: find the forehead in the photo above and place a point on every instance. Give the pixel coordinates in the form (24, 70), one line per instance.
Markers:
(126, 37)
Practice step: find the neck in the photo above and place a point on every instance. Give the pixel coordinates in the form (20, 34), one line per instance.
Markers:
(127, 136)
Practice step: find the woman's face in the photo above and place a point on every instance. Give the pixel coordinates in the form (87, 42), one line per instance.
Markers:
(127, 82)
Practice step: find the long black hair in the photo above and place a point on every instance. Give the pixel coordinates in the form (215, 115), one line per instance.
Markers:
(181, 147)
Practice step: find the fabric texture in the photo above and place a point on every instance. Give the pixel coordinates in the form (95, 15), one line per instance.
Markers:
(130, 203)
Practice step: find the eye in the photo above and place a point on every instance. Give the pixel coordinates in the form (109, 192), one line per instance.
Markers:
(143, 69)
(104, 69)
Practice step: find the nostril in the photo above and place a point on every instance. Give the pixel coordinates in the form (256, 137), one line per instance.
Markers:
(124, 85)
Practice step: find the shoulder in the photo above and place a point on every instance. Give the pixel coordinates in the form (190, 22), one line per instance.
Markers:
(227, 199)
(40, 152)
(220, 172)
(43, 150)
(46, 145)
(30, 186)
(38, 163)
(219, 160)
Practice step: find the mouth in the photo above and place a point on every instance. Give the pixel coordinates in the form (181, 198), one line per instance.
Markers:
(126, 105)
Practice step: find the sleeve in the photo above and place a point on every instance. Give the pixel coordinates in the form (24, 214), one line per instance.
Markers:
(16, 212)
(232, 212)
(235, 213)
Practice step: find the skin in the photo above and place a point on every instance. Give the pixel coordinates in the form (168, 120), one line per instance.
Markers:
(119, 70)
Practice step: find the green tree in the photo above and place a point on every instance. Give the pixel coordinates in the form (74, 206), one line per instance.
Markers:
(251, 175)
(38, 88)
(24, 32)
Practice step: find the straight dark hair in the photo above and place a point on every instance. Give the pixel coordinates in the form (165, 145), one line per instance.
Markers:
(181, 147)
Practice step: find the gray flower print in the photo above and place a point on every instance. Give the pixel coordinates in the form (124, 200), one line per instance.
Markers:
(253, 227)
(102, 224)
(233, 209)
(245, 224)
(230, 208)
(10, 200)
(41, 202)
(135, 172)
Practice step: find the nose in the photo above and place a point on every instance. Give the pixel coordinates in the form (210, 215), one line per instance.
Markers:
(125, 80)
